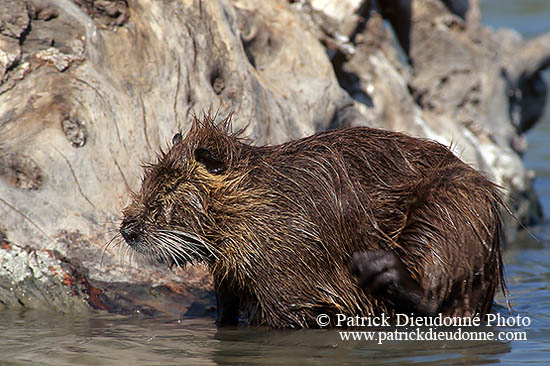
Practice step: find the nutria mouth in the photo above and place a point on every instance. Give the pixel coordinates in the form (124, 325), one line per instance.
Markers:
(351, 221)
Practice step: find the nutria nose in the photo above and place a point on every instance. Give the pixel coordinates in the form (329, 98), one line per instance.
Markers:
(131, 233)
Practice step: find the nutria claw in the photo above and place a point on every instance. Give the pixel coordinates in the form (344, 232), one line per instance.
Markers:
(383, 274)
(378, 270)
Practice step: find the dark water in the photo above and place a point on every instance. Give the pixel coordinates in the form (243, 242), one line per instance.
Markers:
(102, 339)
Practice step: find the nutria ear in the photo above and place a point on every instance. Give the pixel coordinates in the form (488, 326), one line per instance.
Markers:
(176, 138)
(210, 162)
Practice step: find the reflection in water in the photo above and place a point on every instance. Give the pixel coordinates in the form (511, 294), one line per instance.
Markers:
(92, 339)
(104, 339)
(313, 347)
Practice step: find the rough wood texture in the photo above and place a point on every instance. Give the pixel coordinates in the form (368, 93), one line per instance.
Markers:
(91, 89)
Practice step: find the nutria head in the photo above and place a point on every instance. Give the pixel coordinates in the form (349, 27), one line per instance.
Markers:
(171, 218)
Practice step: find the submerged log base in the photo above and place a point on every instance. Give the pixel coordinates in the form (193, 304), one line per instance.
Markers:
(90, 90)
(45, 280)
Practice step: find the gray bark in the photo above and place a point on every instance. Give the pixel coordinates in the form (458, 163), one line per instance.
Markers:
(89, 90)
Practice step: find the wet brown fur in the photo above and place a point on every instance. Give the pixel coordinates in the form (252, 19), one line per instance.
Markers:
(278, 227)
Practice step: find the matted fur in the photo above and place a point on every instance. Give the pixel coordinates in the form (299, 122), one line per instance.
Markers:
(278, 227)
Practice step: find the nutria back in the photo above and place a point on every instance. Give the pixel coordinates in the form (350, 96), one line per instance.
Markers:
(279, 225)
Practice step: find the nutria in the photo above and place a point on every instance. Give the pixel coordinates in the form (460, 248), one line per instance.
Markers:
(355, 221)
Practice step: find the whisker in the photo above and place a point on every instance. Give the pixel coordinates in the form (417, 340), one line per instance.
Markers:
(174, 246)
(192, 239)
(166, 247)
(165, 254)
(116, 239)
(174, 240)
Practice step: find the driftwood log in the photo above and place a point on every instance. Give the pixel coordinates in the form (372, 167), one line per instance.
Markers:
(91, 89)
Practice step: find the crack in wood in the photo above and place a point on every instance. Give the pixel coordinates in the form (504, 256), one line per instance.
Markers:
(75, 178)
(93, 88)
(26, 218)
(145, 124)
(121, 173)
(177, 90)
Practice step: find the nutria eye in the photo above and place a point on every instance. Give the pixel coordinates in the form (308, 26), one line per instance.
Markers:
(210, 162)
(176, 138)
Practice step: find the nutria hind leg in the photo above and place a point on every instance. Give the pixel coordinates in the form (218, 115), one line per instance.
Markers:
(227, 305)
(383, 275)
